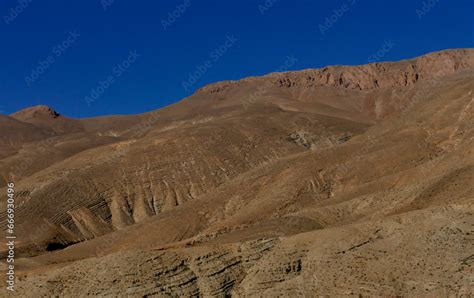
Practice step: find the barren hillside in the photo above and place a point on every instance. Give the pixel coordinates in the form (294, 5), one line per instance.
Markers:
(345, 180)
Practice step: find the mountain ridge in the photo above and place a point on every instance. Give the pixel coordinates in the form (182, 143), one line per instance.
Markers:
(344, 75)
(458, 58)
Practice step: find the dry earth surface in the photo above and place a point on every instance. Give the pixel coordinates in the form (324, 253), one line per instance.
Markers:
(340, 181)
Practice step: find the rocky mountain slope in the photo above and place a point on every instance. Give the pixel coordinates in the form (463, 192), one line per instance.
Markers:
(346, 180)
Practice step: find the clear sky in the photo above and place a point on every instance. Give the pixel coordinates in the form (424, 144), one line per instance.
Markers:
(89, 58)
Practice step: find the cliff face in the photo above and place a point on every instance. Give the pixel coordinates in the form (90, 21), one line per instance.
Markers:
(365, 77)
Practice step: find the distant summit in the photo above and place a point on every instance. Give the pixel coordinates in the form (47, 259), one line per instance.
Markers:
(34, 112)
(47, 117)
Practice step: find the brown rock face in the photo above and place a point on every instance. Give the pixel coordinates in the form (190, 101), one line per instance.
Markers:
(340, 181)
(367, 77)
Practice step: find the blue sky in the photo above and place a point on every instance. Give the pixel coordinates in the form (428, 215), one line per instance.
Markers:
(90, 58)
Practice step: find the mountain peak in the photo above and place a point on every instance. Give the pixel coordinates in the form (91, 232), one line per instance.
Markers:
(36, 111)
(47, 117)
